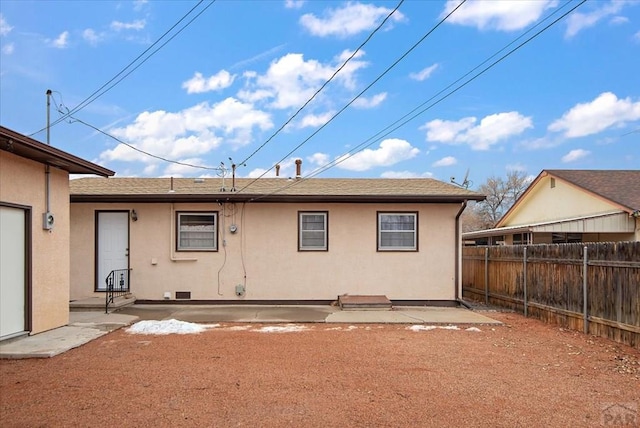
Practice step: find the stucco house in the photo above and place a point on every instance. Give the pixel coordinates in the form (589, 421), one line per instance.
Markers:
(34, 233)
(272, 240)
(562, 206)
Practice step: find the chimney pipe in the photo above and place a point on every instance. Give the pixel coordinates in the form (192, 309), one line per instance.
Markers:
(298, 168)
(277, 170)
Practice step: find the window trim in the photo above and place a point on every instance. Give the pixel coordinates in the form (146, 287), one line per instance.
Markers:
(179, 214)
(379, 232)
(325, 214)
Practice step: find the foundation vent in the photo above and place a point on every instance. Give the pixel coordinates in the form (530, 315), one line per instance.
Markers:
(184, 295)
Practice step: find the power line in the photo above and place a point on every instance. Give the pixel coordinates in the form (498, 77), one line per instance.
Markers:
(401, 122)
(324, 84)
(67, 115)
(142, 151)
(362, 92)
(97, 94)
(391, 128)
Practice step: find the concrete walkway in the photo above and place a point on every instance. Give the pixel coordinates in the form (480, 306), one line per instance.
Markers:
(86, 326)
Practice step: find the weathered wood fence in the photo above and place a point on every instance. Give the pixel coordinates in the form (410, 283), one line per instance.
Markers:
(591, 287)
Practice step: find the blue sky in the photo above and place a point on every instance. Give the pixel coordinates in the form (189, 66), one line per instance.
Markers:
(223, 86)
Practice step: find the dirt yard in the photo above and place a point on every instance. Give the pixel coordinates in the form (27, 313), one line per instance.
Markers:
(524, 374)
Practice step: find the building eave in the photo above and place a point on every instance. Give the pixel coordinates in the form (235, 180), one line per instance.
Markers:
(26, 147)
(243, 197)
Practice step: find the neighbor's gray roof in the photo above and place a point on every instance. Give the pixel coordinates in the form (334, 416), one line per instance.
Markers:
(26, 147)
(268, 189)
(619, 186)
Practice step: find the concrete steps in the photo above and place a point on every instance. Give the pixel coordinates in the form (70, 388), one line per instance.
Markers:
(364, 303)
(97, 303)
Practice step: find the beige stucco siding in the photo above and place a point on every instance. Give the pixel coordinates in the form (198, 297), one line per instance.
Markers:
(22, 182)
(564, 201)
(265, 250)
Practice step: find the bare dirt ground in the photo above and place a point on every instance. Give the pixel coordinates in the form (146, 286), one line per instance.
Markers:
(524, 373)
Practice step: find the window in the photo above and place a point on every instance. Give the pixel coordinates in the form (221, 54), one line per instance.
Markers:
(397, 231)
(197, 231)
(312, 235)
(564, 238)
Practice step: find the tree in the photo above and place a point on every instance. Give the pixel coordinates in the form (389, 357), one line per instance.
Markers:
(501, 195)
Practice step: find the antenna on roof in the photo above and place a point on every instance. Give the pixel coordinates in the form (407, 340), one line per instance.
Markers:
(222, 172)
(465, 181)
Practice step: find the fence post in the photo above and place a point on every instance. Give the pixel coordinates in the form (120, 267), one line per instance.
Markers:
(524, 276)
(486, 276)
(585, 313)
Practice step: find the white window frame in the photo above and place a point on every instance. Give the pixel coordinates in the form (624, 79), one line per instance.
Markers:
(302, 231)
(181, 229)
(381, 231)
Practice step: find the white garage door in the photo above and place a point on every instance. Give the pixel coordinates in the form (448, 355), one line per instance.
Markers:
(12, 272)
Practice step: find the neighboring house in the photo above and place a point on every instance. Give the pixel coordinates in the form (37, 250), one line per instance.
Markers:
(268, 240)
(34, 233)
(570, 206)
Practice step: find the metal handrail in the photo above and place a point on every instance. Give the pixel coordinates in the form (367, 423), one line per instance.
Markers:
(117, 285)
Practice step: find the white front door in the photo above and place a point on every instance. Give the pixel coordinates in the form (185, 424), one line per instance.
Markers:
(112, 245)
(13, 272)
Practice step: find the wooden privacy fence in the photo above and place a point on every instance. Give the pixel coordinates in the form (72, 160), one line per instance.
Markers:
(592, 287)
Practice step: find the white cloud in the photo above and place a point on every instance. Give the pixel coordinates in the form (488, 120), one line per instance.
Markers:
(293, 4)
(290, 80)
(445, 161)
(596, 116)
(150, 170)
(177, 170)
(5, 28)
(374, 101)
(636, 36)
(618, 20)
(352, 18)
(575, 155)
(405, 174)
(497, 15)
(315, 120)
(8, 48)
(425, 73)
(139, 4)
(391, 151)
(137, 25)
(91, 36)
(258, 57)
(62, 41)
(578, 21)
(319, 159)
(190, 132)
(489, 131)
(198, 84)
(255, 173)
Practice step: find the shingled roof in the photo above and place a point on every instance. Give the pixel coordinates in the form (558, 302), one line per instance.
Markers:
(621, 187)
(267, 190)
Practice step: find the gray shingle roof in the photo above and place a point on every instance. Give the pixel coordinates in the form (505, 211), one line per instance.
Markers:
(269, 189)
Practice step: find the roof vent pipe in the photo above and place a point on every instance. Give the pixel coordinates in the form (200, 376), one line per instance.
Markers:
(171, 189)
(277, 170)
(298, 168)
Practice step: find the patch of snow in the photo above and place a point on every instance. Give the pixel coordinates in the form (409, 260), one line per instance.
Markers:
(431, 327)
(473, 329)
(167, 327)
(289, 328)
(333, 328)
(352, 327)
(421, 327)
